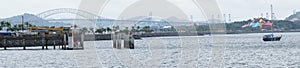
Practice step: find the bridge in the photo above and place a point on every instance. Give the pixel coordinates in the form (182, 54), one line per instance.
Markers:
(82, 13)
(98, 19)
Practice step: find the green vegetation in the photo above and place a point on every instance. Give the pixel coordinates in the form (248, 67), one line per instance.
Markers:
(146, 29)
(281, 25)
(15, 27)
(137, 29)
(52, 27)
(100, 30)
(278, 25)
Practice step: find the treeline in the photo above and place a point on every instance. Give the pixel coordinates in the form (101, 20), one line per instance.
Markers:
(108, 29)
(278, 25)
(16, 27)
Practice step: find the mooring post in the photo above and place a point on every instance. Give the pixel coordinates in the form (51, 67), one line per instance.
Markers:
(126, 40)
(46, 44)
(114, 38)
(24, 43)
(131, 41)
(4, 44)
(54, 45)
(65, 40)
(43, 42)
(119, 40)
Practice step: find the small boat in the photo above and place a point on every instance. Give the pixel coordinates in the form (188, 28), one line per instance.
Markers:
(271, 37)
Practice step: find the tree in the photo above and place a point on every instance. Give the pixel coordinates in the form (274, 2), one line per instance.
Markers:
(2, 23)
(84, 29)
(108, 29)
(52, 27)
(92, 30)
(75, 26)
(7, 24)
(20, 26)
(138, 27)
(125, 30)
(100, 30)
(147, 29)
(116, 27)
(26, 23)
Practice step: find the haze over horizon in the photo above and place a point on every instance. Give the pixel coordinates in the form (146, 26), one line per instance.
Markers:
(239, 9)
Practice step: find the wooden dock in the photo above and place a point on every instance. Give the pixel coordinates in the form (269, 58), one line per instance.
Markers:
(33, 41)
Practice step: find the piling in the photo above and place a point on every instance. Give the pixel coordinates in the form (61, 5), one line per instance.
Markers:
(131, 42)
(125, 38)
(126, 41)
(4, 44)
(114, 38)
(119, 40)
(54, 45)
(24, 43)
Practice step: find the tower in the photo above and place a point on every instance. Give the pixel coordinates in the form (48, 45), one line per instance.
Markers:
(272, 13)
(192, 18)
(225, 21)
(267, 15)
(229, 17)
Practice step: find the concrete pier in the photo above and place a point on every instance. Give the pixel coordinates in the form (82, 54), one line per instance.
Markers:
(123, 38)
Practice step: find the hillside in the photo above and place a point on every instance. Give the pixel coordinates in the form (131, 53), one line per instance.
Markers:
(294, 17)
(32, 19)
(278, 25)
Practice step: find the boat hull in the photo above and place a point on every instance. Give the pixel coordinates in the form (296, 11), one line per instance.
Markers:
(272, 39)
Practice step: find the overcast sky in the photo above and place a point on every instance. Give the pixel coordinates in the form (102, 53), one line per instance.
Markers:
(239, 9)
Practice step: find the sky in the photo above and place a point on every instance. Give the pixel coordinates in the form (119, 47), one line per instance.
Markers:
(239, 9)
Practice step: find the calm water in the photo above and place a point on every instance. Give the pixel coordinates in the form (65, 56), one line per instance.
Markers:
(234, 50)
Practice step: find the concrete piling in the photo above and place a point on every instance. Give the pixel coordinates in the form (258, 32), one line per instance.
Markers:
(125, 38)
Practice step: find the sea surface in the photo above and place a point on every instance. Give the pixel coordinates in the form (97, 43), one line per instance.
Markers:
(225, 51)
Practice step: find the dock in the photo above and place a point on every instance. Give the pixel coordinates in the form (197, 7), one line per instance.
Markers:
(33, 41)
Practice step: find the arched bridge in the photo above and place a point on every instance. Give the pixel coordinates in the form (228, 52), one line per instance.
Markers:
(82, 13)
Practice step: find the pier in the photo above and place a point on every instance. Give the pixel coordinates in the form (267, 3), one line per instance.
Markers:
(33, 41)
(121, 38)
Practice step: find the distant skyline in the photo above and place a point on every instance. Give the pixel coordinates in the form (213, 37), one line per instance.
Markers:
(239, 9)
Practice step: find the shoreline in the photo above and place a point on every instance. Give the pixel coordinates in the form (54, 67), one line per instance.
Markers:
(167, 34)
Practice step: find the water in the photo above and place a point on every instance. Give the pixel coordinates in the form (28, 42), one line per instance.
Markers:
(234, 50)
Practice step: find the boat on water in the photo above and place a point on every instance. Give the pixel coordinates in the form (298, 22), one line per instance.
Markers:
(271, 37)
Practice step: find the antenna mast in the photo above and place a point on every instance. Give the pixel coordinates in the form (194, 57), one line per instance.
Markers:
(272, 13)
(229, 17)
